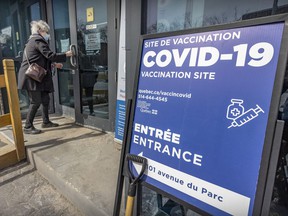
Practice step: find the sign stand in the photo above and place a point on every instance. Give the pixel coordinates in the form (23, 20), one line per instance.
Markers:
(203, 98)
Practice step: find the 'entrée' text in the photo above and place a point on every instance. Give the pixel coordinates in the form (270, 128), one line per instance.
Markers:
(158, 133)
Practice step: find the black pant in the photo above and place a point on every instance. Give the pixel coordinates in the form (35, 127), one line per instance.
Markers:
(36, 99)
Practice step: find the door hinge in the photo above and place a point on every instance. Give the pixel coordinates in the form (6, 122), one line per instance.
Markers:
(116, 76)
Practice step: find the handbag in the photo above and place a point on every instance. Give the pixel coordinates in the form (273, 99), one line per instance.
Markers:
(35, 71)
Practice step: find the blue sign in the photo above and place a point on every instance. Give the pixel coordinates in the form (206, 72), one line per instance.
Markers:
(201, 114)
(120, 120)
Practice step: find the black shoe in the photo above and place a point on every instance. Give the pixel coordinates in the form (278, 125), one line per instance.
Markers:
(31, 130)
(49, 124)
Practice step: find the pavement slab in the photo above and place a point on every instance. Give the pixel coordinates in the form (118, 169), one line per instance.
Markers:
(24, 192)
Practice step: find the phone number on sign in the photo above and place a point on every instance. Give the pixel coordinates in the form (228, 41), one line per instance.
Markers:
(162, 99)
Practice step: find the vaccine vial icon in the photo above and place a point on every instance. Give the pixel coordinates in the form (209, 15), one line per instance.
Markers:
(249, 115)
(235, 109)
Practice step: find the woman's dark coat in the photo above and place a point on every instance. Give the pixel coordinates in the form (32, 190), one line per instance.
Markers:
(38, 51)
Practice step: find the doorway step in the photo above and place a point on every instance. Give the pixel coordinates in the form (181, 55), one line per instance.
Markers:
(80, 162)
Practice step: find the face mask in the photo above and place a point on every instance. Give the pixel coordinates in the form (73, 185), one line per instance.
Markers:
(46, 37)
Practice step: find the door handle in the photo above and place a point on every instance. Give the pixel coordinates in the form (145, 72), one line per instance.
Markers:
(73, 58)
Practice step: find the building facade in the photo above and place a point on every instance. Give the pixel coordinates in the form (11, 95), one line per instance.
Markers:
(94, 85)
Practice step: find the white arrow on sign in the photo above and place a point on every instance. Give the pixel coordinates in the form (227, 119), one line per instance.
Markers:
(214, 195)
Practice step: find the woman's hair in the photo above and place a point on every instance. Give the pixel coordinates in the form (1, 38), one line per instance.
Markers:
(39, 25)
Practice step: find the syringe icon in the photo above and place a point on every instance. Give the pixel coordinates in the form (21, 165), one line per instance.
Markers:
(246, 117)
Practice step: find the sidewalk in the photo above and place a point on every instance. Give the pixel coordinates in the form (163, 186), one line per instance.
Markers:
(24, 192)
(81, 163)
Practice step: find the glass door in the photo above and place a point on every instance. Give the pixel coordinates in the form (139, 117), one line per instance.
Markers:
(87, 83)
(92, 42)
(64, 84)
(95, 41)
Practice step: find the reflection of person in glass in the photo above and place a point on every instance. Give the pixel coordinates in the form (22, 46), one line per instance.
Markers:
(38, 51)
(88, 74)
(88, 81)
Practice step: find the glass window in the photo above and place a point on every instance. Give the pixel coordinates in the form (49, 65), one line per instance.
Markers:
(172, 15)
(62, 42)
(6, 31)
(154, 204)
(279, 202)
(15, 17)
(34, 11)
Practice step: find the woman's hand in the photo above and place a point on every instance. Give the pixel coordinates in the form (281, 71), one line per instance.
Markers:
(58, 65)
(69, 53)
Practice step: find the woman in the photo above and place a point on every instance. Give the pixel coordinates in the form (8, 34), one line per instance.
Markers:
(38, 51)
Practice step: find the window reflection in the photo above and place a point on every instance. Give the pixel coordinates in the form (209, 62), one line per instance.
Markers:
(155, 204)
(93, 74)
(34, 11)
(62, 42)
(6, 44)
(279, 202)
(169, 15)
(15, 17)
(92, 44)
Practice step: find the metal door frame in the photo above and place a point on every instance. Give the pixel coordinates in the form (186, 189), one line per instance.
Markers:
(75, 113)
(82, 119)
